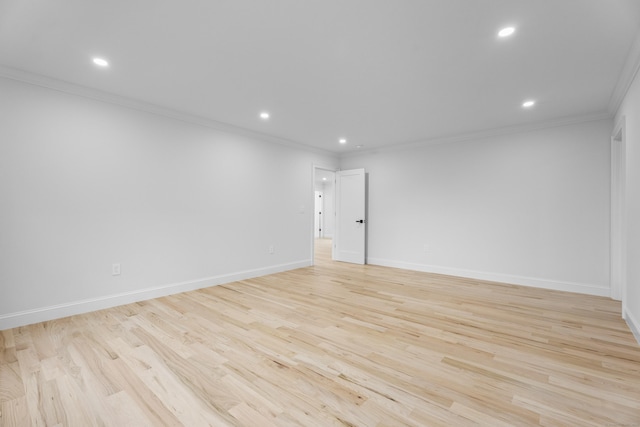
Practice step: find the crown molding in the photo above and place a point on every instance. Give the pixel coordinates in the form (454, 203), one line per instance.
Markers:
(486, 133)
(102, 96)
(627, 75)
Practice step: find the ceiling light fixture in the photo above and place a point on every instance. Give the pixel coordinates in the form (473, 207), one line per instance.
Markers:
(101, 62)
(264, 115)
(506, 32)
(528, 104)
(342, 141)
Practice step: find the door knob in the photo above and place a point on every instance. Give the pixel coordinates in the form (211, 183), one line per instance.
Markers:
(361, 221)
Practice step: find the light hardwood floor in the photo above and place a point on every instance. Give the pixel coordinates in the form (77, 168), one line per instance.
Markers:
(330, 345)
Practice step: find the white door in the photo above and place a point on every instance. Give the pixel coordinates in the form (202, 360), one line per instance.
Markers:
(349, 241)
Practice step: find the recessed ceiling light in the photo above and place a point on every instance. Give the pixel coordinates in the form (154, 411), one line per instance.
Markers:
(324, 179)
(264, 115)
(101, 62)
(528, 104)
(506, 32)
(342, 141)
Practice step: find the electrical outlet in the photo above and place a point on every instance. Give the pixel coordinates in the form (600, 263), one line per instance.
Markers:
(271, 249)
(115, 270)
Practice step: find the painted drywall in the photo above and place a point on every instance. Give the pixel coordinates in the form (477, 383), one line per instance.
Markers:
(530, 208)
(86, 184)
(630, 110)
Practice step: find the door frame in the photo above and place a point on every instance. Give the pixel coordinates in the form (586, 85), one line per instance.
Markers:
(618, 248)
(315, 167)
(317, 216)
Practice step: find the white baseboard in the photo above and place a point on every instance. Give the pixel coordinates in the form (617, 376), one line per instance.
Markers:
(581, 288)
(632, 322)
(27, 317)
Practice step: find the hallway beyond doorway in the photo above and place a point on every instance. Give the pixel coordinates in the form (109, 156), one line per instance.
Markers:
(322, 252)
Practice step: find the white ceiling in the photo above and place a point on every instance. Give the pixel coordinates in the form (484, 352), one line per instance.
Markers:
(377, 72)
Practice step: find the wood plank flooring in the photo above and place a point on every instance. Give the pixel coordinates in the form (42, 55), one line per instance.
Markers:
(330, 345)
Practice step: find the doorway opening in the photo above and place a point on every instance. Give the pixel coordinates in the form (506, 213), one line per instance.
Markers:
(324, 214)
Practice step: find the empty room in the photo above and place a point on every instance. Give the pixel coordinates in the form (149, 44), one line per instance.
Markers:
(320, 213)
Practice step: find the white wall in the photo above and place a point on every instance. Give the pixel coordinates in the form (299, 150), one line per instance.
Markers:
(85, 184)
(530, 208)
(630, 110)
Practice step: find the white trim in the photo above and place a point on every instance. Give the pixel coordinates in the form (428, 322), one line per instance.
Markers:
(627, 75)
(98, 95)
(110, 98)
(582, 288)
(618, 233)
(13, 320)
(632, 322)
(481, 134)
